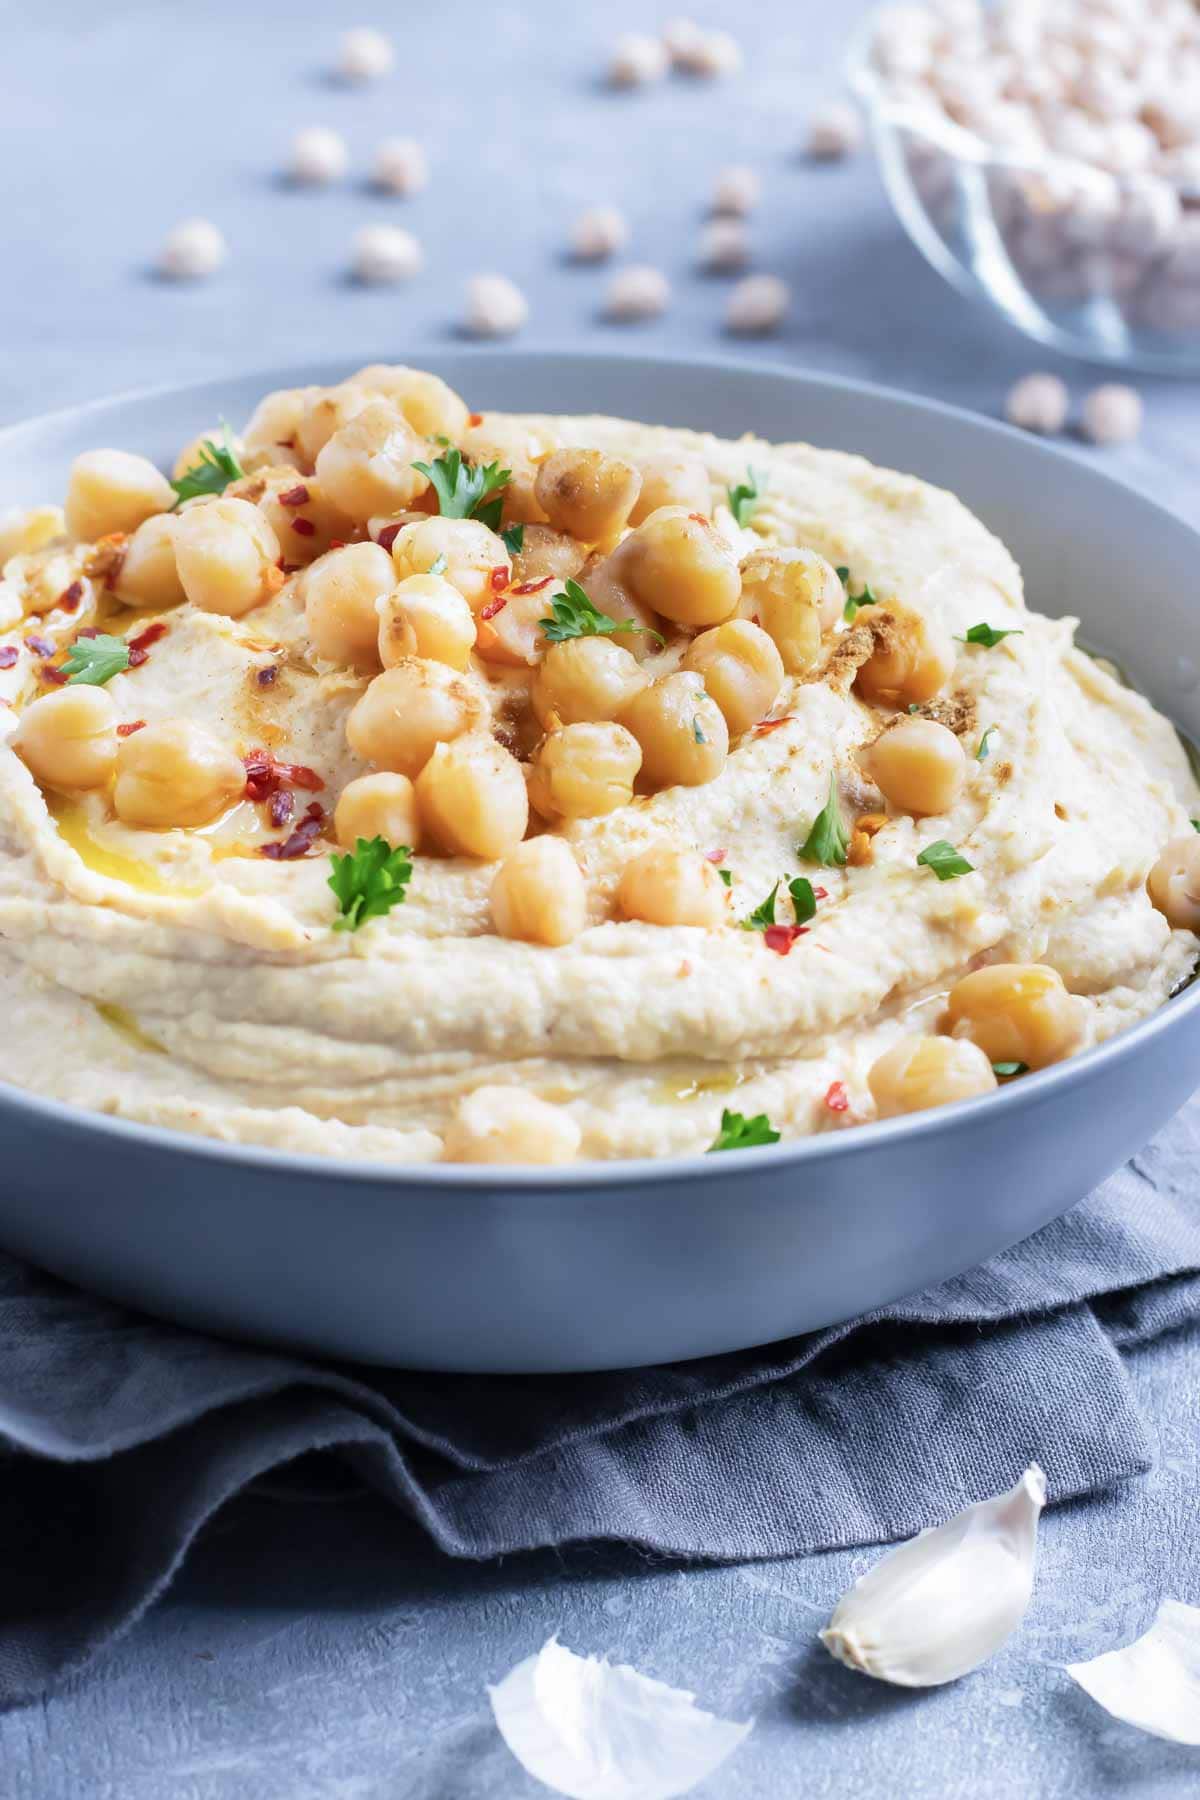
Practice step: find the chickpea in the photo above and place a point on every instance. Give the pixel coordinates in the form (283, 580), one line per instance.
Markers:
(681, 730)
(584, 771)
(515, 448)
(226, 554)
(425, 616)
(605, 581)
(672, 479)
(586, 493)
(430, 405)
(472, 797)
(1017, 1012)
(913, 658)
(539, 893)
(1174, 883)
(585, 678)
(68, 739)
(919, 1072)
(742, 670)
(272, 430)
(193, 451)
(410, 709)
(299, 513)
(794, 595)
(340, 594)
(175, 773)
(367, 465)
(545, 551)
(513, 636)
(672, 887)
(918, 766)
(325, 411)
(382, 805)
(24, 530)
(508, 1125)
(113, 490)
(471, 552)
(149, 574)
(678, 564)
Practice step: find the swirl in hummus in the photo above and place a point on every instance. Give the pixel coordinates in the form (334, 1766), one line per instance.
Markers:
(675, 792)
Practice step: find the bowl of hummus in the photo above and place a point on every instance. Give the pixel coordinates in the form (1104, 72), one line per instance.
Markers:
(445, 788)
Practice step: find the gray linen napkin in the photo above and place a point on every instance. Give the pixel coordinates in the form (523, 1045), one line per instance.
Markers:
(120, 1436)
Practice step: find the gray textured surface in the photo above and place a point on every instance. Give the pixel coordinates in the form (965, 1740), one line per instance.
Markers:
(314, 1650)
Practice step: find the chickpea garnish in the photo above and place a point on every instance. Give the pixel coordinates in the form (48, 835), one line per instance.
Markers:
(920, 1072)
(741, 669)
(539, 893)
(605, 581)
(68, 739)
(585, 678)
(1174, 883)
(794, 595)
(340, 594)
(515, 448)
(469, 553)
(271, 434)
(226, 555)
(149, 574)
(584, 771)
(586, 493)
(410, 709)
(472, 797)
(299, 511)
(679, 565)
(367, 465)
(509, 629)
(381, 805)
(681, 730)
(672, 887)
(1018, 1013)
(508, 1125)
(430, 405)
(546, 552)
(113, 490)
(175, 774)
(913, 658)
(425, 616)
(671, 478)
(918, 765)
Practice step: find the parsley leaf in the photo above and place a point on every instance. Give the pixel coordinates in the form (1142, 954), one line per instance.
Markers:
(698, 732)
(804, 901)
(983, 752)
(464, 489)
(218, 466)
(944, 860)
(854, 601)
(369, 881)
(574, 616)
(93, 661)
(726, 876)
(763, 915)
(739, 1133)
(828, 840)
(514, 539)
(744, 498)
(1010, 1068)
(1195, 824)
(987, 635)
(437, 566)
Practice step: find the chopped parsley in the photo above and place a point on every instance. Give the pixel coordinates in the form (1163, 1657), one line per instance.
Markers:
(698, 733)
(763, 915)
(988, 636)
(465, 490)
(944, 860)
(983, 752)
(514, 539)
(828, 841)
(739, 1133)
(91, 661)
(854, 601)
(218, 466)
(573, 615)
(1195, 824)
(369, 880)
(804, 904)
(1010, 1068)
(726, 876)
(744, 498)
(437, 566)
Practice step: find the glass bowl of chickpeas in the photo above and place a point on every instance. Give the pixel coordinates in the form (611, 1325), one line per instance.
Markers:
(1046, 161)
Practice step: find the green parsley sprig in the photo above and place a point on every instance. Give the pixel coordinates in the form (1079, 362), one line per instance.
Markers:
(853, 601)
(804, 905)
(984, 751)
(945, 861)
(740, 1133)
(573, 615)
(828, 841)
(1006, 1069)
(988, 636)
(218, 466)
(745, 497)
(514, 539)
(437, 566)
(465, 489)
(91, 661)
(369, 880)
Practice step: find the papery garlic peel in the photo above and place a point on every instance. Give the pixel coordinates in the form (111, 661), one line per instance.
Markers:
(1153, 1683)
(943, 1603)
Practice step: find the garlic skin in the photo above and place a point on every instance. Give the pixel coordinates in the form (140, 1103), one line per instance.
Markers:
(1153, 1683)
(943, 1603)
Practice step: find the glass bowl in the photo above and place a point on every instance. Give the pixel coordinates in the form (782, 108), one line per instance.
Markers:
(1096, 264)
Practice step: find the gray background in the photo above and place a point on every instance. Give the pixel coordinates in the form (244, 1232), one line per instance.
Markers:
(321, 1649)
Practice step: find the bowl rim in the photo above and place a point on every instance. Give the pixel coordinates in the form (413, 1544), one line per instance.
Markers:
(488, 1180)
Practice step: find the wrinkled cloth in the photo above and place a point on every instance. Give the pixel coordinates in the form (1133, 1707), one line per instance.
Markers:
(120, 1435)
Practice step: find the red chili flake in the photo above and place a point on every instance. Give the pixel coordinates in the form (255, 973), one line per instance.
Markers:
(493, 607)
(534, 587)
(820, 893)
(767, 725)
(49, 673)
(285, 567)
(715, 856)
(40, 646)
(700, 518)
(70, 597)
(264, 774)
(337, 543)
(474, 418)
(89, 631)
(780, 938)
(139, 647)
(8, 655)
(301, 840)
(288, 443)
(128, 729)
(836, 1097)
(296, 496)
(388, 535)
(266, 676)
(499, 578)
(304, 528)
(282, 806)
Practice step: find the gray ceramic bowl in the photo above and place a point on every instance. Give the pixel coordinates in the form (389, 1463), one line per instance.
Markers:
(623, 1263)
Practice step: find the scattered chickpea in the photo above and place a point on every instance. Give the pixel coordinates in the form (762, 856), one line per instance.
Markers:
(742, 670)
(585, 679)
(367, 465)
(471, 552)
(716, 54)
(113, 490)
(682, 732)
(918, 765)
(68, 739)
(226, 554)
(671, 478)
(794, 595)
(724, 245)
(365, 55)
(425, 616)
(400, 166)
(584, 771)
(341, 594)
(1174, 883)
(639, 292)
(680, 566)
(637, 60)
(920, 1072)
(192, 250)
(410, 709)
(1038, 402)
(545, 551)
(509, 1125)
(472, 797)
(673, 887)
(834, 131)
(539, 893)
(599, 233)
(318, 155)
(149, 574)
(496, 307)
(1017, 1012)
(175, 774)
(757, 305)
(737, 191)
(913, 657)
(383, 254)
(588, 494)
(1112, 414)
(381, 805)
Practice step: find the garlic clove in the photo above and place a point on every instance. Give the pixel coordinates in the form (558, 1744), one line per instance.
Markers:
(943, 1603)
(1153, 1683)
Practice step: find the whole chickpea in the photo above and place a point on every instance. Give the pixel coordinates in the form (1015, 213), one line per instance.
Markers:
(382, 805)
(664, 886)
(918, 765)
(149, 574)
(508, 1125)
(920, 1072)
(113, 490)
(584, 771)
(425, 616)
(546, 552)
(410, 709)
(586, 493)
(470, 551)
(175, 774)
(196, 450)
(742, 670)
(430, 405)
(1174, 883)
(340, 594)
(512, 635)
(367, 465)
(681, 730)
(325, 411)
(794, 595)
(472, 797)
(672, 478)
(605, 581)
(298, 511)
(271, 434)
(585, 678)
(499, 440)
(68, 739)
(913, 658)
(539, 893)
(678, 564)
(226, 555)
(1017, 1012)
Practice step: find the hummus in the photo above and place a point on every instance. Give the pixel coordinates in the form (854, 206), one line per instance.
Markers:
(199, 976)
